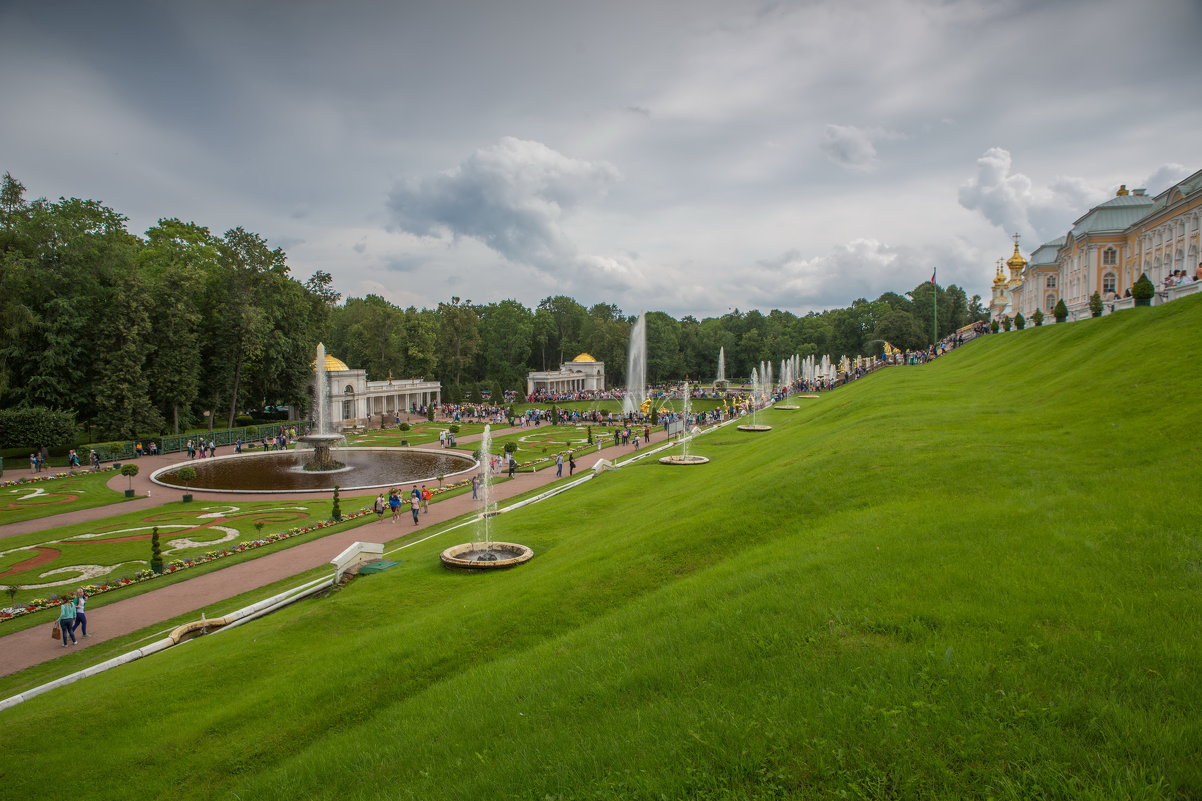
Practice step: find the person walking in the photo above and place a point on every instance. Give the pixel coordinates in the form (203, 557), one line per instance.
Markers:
(426, 496)
(81, 620)
(559, 465)
(378, 506)
(66, 620)
(394, 503)
(571, 464)
(513, 463)
(415, 505)
(475, 486)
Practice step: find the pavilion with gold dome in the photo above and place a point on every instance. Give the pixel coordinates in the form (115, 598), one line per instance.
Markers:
(354, 400)
(582, 374)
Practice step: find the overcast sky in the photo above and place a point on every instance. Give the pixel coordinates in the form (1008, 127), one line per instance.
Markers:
(683, 155)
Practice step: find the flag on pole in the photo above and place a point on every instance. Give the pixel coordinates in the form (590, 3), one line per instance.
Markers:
(933, 271)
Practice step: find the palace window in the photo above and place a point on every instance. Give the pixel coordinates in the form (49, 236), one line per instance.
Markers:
(1049, 302)
(1109, 283)
(1110, 257)
(1051, 282)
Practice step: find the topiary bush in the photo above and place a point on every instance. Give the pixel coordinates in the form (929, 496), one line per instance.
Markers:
(1037, 318)
(1095, 304)
(404, 426)
(1143, 290)
(1061, 311)
(1020, 322)
(156, 551)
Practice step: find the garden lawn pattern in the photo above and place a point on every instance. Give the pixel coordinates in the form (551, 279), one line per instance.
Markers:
(44, 494)
(64, 558)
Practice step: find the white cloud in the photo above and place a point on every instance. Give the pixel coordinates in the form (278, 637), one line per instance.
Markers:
(865, 266)
(1165, 176)
(512, 196)
(1012, 201)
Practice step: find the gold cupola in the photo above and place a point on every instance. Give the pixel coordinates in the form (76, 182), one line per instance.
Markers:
(1016, 263)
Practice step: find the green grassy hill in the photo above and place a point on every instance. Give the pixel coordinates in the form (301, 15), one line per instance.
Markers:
(978, 578)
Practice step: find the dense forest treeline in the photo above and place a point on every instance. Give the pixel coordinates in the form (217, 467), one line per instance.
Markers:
(140, 335)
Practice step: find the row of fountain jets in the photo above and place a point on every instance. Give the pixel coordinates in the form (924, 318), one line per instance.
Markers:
(763, 380)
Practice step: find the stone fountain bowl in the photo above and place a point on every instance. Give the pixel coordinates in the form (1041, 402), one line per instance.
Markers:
(680, 458)
(468, 556)
(754, 427)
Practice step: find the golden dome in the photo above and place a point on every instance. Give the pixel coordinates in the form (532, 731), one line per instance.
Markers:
(1016, 262)
(584, 357)
(333, 364)
(999, 278)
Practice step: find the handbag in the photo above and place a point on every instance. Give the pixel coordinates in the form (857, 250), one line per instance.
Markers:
(56, 633)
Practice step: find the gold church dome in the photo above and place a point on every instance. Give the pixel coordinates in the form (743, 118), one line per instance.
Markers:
(584, 357)
(1016, 262)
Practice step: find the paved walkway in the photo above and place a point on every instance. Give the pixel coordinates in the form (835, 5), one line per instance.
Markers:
(207, 592)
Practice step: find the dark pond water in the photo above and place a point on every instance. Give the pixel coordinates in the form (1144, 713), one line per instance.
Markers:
(281, 471)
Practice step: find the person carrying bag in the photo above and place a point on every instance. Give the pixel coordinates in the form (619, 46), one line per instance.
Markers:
(66, 620)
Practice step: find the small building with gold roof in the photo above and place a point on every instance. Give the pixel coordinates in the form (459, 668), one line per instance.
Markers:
(354, 401)
(582, 374)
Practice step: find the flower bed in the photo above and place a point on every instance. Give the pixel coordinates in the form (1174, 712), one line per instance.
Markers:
(16, 482)
(38, 604)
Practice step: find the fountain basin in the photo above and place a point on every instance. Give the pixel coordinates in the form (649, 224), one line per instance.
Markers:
(282, 471)
(475, 556)
(754, 427)
(681, 458)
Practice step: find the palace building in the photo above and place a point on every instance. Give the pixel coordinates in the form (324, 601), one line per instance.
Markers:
(353, 400)
(1106, 251)
(582, 374)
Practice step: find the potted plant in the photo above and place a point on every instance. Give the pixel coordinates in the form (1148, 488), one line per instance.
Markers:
(156, 551)
(1037, 318)
(129, 471)
(1095, 304)
(993, 326)
(1020, 322)
(1061, 311)
(1007, 322)
(1143, 290)
(186, 475)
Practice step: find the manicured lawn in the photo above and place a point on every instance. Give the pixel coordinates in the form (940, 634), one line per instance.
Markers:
(976, 578)
(36, 499)
(61, 559)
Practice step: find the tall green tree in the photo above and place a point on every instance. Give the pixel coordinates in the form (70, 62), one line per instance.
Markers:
(507, 328)
(567, 320)
(459, 335)
(123, 406)
(178, 259)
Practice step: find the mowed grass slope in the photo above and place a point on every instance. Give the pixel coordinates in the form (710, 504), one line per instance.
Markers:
(977, 578)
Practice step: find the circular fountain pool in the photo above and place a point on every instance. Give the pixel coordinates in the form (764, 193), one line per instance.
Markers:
(283, 471)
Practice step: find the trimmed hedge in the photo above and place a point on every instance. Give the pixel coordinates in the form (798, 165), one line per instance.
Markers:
(36, 427)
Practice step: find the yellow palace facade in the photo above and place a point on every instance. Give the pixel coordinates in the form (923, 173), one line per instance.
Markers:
(1106, 250)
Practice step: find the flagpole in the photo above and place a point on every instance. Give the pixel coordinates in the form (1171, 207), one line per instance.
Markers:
(935, 309)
